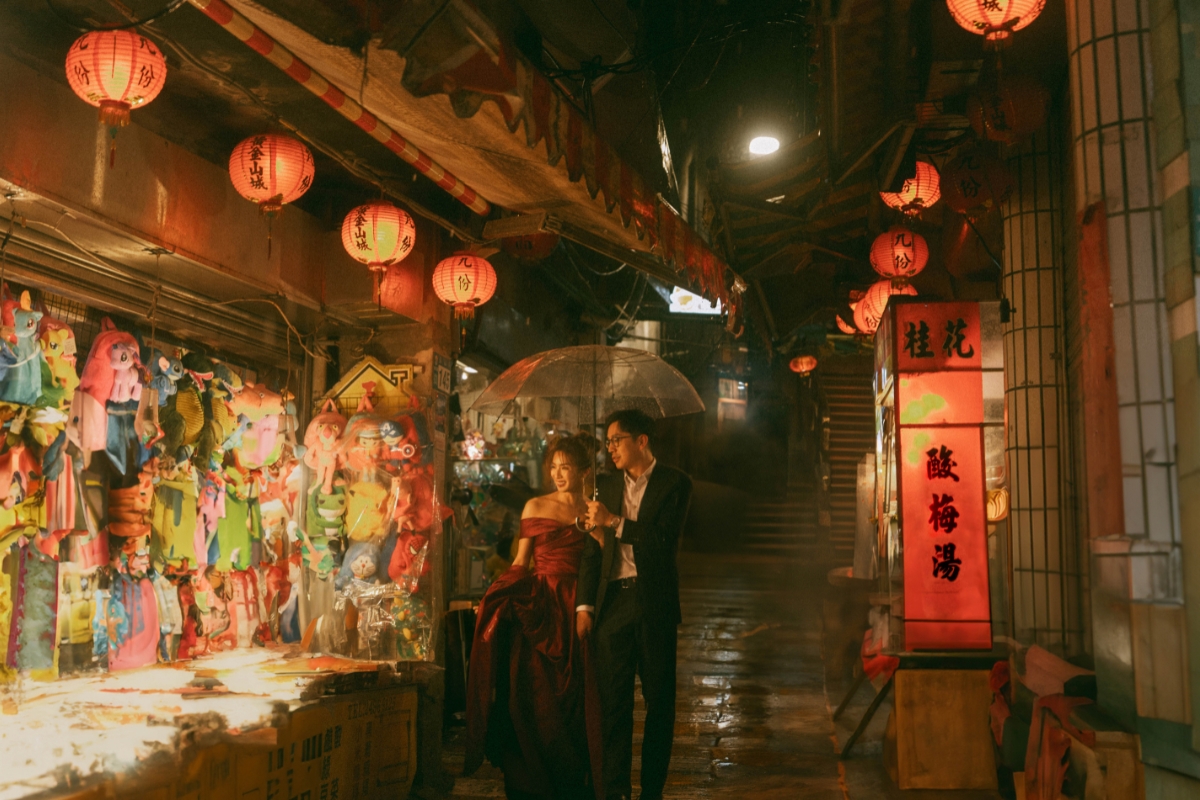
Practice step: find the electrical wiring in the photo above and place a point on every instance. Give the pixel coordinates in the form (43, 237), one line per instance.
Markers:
(117, 271)
(121, 26)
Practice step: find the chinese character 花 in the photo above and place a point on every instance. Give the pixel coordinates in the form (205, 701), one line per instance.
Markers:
(945, 565)
(955, 338)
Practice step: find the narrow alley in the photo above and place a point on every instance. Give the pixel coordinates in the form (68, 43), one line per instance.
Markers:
(753, 716)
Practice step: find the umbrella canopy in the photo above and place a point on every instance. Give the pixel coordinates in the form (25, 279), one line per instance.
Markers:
(582, 385)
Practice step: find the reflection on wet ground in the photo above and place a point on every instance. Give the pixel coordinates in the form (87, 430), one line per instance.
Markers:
(753, 717)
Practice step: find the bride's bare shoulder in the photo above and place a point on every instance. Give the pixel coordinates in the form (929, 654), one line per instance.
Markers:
(541, 506)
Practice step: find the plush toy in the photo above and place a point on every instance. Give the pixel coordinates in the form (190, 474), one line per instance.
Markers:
(323, 526)
(365, 515)
(409, 562)
(322, 442)
(59, 379)
(213, 601)
(165, 373)
(209, 512)
(361, 564)
(22, 383)
(110, 374)
(18, 470)
(192, 639)
(260, 445)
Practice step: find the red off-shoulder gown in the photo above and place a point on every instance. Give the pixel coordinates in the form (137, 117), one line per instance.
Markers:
(532, 704)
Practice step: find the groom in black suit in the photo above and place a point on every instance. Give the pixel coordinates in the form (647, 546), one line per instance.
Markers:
(629, 593)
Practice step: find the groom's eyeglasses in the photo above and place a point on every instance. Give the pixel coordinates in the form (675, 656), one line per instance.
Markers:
(616, 440)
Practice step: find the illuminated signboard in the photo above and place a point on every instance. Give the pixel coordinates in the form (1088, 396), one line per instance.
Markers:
(685, 302)
(937, 352)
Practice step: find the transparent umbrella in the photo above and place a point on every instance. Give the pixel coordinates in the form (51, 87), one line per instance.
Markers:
(582, 385)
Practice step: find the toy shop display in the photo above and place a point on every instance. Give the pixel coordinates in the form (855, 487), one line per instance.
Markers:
(157, 506)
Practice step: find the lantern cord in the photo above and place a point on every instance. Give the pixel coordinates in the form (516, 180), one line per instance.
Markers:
(167, 9)
(983, 242)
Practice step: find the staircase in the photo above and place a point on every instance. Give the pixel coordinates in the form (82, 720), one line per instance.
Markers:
(851, 408)
(784, 526)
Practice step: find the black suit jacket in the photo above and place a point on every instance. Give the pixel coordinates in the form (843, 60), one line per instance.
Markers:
(654, 536)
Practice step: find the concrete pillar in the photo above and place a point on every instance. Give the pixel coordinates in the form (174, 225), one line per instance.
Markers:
(1044, 548)
(1112, 99)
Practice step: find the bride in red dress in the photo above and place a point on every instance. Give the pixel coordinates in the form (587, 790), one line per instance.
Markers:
(532, 707)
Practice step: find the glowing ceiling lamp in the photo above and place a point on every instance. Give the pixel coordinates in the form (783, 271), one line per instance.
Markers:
(763, 145)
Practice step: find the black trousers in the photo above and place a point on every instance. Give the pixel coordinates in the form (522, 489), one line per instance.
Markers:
(628, 643)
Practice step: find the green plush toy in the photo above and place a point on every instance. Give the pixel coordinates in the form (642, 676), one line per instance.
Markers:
(323, 524)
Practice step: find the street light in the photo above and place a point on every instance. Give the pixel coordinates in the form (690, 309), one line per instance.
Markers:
(763, 145)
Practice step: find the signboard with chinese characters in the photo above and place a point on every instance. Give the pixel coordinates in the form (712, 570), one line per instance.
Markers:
(937, 391)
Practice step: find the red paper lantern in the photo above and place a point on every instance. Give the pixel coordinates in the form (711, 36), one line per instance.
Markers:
(976, 182)
(870, 308)
(849, 330)
(803, 365)
(115, 71)
(1009, 112)
(995, 20)
(378, 234)
(531, 246)
(271, 170)
(899, 253)
(918, 192)
(464, 281)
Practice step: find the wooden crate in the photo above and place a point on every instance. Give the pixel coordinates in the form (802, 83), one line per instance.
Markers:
(943, 737)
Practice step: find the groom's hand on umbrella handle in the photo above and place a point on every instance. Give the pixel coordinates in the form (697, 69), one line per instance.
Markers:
(598, 516)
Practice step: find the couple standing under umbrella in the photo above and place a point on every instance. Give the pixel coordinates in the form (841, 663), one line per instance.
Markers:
(591, 601)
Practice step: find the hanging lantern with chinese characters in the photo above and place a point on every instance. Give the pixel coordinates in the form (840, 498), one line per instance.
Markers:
(116, 71)
(899, 253)
(995, 20)
(464, 281)
(870, 308)
(803, 365)
(918, 192)
(976, 182)
(379, 235)
(1010, 111)
(271, 170)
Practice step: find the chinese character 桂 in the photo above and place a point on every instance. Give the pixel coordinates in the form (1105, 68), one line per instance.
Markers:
(943, 516)
(945, 565)
(955, 338)
(916, 341)
(940, 463)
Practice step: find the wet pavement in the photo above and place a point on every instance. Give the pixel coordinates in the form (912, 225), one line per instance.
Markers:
(753, 716)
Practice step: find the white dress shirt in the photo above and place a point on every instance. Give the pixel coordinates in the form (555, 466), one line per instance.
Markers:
(624, 565)
(635, 490)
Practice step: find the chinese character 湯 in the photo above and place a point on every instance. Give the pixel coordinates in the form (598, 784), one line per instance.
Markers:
(945, 565)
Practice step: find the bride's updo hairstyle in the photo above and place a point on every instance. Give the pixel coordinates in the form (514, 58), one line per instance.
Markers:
(581, 449)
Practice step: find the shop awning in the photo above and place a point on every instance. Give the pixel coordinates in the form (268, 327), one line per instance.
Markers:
(442, 77)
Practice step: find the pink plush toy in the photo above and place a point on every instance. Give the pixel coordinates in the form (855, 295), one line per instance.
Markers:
(209, 511)
(112, 372)
(323, 443)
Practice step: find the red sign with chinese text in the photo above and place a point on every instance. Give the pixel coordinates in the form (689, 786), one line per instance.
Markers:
(940, 470)
(942, 507)
(931, 337)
